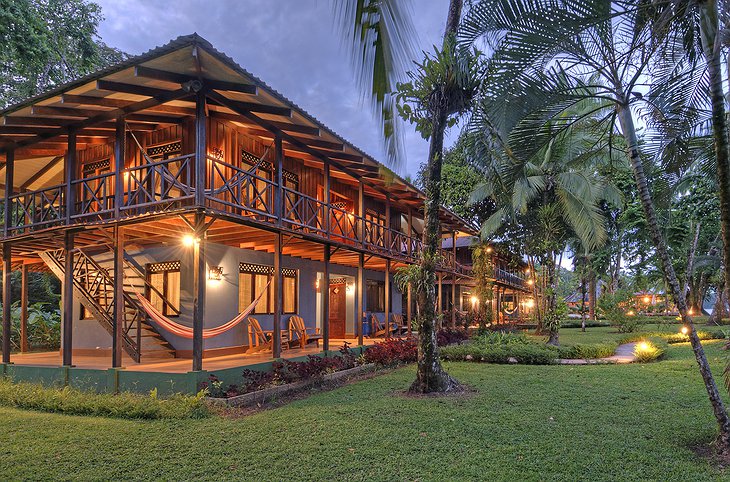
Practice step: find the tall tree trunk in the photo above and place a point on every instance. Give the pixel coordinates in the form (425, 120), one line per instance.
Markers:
(430, 375)
(551, 308)
(712, 48)
(592, 288)
(583, 289)
(629, 131)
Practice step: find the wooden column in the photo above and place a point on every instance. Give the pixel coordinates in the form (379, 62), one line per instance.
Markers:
(199, 285)
(24, 347)
(387, 238)
(326, 300)
(361, 211)
(387, 296)
(359, 301)
(201, 161)
(279, 197)
(409, 310)
(453, 301)
(119, 154)
(69, 171)
(410, 232)
(453, 281)
(327, 199)
(440, 293)
(278, 296)
(119, 308)
(9, 174)
(68, 299)
(7, 301)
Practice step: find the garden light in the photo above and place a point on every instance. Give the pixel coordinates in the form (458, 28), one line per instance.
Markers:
(647, 299)
(474, 300)
(630, 313)
(684, 330)
(643, 346)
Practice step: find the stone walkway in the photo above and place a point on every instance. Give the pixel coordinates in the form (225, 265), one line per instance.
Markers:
(623, 354)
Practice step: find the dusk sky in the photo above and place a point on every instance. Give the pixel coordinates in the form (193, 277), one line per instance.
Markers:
(292, 45)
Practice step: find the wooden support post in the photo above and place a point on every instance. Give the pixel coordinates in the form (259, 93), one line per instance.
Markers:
(409, 310)
(327, 200)
(69, 171)
(359, 301)
(387, 238)
(279, 197)
(453, 301)
(387, 296)
(453, 281)
(278, 296)
(68, 299)
(201, 161)
(361, 211)
(9, 174)
(119, 308)
(410, 234)
(326, 300)
(119, 154)
(24, 347)
(199, 282)
(7, 301)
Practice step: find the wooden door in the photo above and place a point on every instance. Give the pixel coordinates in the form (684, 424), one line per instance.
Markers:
(338, 310)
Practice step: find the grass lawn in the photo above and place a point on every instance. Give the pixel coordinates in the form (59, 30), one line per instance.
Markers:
(571, 336)
(612, 422)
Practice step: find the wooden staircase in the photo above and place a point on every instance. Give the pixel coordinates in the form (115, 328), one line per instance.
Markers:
(94, 288)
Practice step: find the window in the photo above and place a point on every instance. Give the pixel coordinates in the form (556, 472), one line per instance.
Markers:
(253, 280)
(165, 151)
(164, 279)
(375, 296)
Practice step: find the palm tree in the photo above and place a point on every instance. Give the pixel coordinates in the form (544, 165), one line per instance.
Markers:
(561, 185)
(378, 32)
(543, 50)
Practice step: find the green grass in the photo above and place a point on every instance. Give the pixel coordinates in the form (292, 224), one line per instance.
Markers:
(602, 334)
(607, 422)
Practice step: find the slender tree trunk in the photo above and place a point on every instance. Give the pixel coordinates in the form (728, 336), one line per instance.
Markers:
(583, 289)
(430, 376)
(550, 310)
(629, 131)
(712, 47)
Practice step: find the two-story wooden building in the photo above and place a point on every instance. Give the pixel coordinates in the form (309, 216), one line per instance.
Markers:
(174, 191)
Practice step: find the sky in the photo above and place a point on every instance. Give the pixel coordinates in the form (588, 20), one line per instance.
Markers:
(292, 45)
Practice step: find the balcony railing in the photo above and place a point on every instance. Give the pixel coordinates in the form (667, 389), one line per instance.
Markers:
(169, 185)
(509, 278)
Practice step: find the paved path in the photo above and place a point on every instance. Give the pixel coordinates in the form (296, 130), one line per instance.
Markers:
(623, 354)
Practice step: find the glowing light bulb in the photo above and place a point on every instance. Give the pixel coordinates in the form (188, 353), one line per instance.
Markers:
(188, 240)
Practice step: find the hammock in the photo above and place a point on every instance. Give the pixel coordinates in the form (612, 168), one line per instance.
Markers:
(186, 331)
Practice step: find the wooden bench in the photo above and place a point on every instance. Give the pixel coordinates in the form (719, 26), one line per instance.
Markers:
(298, 332)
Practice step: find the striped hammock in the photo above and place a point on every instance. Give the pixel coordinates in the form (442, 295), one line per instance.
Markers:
(186, 331)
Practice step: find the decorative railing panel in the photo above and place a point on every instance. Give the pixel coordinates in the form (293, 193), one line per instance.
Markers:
(159, 186)
(94, 197)
(238, 191)
(343, 225)
(304, 213)
(37, 209)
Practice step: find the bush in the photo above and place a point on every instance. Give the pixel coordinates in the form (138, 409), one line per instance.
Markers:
(648, 351)
(615, 307)
(451, 336)
(527, 353)
(76, 402)
(393, 351)
(282, 372)
(587, 350)
(502, 338)
(577, 324)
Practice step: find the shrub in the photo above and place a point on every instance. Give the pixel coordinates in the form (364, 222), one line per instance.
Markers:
(451, 336)
(393, 351)
(614, 307)
(587, 350)
(76, 402)
(648, 351)
(527, 353)
(502, 338)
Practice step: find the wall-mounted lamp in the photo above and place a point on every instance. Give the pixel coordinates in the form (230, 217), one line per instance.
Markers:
(349, 287)
(215, 273)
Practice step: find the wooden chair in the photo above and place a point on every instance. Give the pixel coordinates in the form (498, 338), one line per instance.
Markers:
(400, 325)
(262, 340)
(298, 332)
(378, 328)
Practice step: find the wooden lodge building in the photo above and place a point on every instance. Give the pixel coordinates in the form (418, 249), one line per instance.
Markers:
(180, 191)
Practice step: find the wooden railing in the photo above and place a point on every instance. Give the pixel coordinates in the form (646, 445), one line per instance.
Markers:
(169, 185)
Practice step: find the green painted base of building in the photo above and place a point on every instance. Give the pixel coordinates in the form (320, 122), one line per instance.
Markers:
(114, 380)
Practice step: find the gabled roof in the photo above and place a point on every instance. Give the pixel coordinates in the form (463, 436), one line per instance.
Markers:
(36, 128)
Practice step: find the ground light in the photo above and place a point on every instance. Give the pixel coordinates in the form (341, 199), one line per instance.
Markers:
(684, 330)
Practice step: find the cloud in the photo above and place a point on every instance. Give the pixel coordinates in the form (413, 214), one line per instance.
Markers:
(291, 44)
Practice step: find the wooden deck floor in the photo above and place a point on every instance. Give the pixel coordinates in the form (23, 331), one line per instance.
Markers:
(172, 365)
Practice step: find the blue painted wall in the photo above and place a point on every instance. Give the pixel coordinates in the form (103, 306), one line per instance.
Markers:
(221, 304)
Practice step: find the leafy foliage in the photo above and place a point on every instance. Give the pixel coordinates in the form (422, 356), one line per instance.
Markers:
(393, 351)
